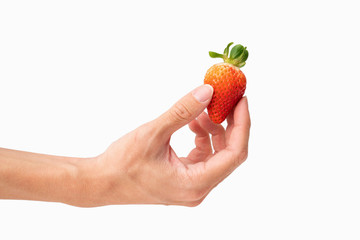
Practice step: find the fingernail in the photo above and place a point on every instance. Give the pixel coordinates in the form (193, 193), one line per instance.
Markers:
(203, 93)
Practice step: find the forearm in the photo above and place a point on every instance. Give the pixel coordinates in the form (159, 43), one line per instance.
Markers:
(32, 176)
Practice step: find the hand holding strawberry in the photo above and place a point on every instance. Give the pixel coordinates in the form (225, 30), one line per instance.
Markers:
(142, 167)
(228, 81)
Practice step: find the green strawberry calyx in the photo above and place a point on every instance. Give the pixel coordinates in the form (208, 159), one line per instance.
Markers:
(238, 55)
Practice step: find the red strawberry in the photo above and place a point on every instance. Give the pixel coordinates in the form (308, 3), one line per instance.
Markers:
(228, 81)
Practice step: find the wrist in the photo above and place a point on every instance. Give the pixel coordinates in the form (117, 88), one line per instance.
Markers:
(91, 183)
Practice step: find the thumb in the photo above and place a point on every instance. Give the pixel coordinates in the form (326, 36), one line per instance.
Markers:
(185, 110)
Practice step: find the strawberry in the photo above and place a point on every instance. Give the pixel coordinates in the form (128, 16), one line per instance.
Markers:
(228, 81)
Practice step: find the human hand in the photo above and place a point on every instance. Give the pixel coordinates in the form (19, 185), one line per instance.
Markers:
(142, 168)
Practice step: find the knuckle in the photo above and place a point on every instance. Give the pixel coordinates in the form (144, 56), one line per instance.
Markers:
(180, 112)
(190, 191)
(195, 195)
(194, 203)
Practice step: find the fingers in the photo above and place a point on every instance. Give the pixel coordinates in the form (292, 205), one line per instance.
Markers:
(217, 131)
(202, 139)
(184, 111)
(197, 129)
(235, 153)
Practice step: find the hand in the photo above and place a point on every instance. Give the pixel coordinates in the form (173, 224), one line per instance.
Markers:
(142, 168)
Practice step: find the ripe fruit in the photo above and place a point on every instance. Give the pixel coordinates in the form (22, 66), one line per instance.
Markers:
(228, 81)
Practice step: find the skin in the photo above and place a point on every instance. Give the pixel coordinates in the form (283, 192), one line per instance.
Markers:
(140, 167)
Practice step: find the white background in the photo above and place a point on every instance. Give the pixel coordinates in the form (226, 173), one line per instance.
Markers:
(77, 75)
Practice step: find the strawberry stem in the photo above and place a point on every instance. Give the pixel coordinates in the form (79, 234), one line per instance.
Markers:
(238, 55)
(226, 50)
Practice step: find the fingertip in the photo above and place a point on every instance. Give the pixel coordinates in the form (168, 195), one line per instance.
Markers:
(204, 118)
(196, 128)
(203, 93)
(203, 115)
(192, 124)
(207, 124)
